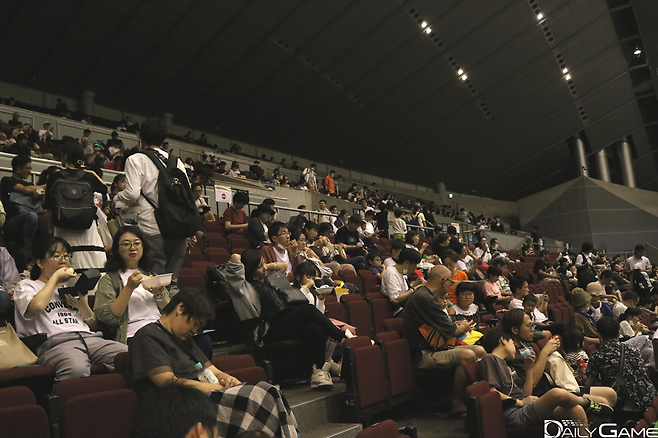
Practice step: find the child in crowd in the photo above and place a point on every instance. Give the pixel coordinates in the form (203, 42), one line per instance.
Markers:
(572, 345)
(375, 264)
(520, 408)
(397, 226)
(492, 287)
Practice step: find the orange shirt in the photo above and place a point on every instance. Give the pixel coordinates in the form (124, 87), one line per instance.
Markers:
(459, 276)
(329, 184)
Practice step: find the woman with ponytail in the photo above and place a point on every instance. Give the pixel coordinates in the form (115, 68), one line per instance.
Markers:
(86, 244)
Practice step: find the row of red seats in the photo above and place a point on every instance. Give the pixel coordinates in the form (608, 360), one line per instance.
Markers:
(72, 405)
(377, 377)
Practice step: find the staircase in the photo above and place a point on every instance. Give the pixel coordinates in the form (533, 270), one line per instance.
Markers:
(319, 413)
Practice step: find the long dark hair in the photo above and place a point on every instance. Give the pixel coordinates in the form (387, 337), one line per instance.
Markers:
(43, 249)
(115, 263)
(251, 259)
(302, 269)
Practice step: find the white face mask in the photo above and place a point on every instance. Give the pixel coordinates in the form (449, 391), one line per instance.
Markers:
(404, 272)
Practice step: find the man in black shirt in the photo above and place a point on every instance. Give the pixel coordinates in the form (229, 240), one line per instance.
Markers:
(14, 189)
(497, 226)
(349, 237)
(14, 122)
(544, 274)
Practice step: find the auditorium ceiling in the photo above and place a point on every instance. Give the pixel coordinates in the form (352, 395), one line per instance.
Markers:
(473, 93)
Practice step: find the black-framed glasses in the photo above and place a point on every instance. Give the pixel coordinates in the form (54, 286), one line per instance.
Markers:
(128, 245)
(60, 257)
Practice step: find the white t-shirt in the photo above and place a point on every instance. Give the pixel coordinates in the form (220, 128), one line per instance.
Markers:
(389, 262)
(312, 299)
(641, 263)
(625, 329)
(57, 318)
(472, 310)
(283, 259)
(485, 256)
(142, 176)
(618, 309)
(142, 308)
(515, 304)
(393, 284)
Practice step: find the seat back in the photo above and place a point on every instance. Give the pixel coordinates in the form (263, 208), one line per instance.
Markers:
(394, 324)
(358, 315)
(385, 337)
(370, 376)
(121, 363)
(471, 371)
(87, 415)
(201, 268)
(381, 311)
(68, 389)
(24, 421)
(16, 396)
(194, 281)
(399, 369)
(336, 310)
(492, 420)
(243, 367)
(385, 429)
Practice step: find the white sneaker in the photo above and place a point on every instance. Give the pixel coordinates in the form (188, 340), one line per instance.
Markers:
(332, 367)
(321, 380)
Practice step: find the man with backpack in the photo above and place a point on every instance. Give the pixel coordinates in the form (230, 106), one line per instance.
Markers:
(166, 223)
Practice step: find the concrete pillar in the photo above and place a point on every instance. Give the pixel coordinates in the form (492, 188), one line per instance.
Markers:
(626, 161)
(601, 158)
(443, 195)
(169, 121)
(581, 157)
(87, 102)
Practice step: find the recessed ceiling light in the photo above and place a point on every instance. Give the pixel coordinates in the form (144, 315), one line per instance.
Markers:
(423, 24)
(450, 195)
(637, 51)
(460, 71)
(540, 16)
(464, 77)
(567, 77)
(428, 30)
(565, 70)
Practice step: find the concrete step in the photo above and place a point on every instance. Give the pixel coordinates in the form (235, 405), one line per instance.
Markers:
(333, 430)
(319, 413)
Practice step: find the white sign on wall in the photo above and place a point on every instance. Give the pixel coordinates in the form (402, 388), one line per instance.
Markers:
(223, 194)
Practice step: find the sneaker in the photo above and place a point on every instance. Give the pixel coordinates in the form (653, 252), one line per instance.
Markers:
(332, 367)
(598, 410)
(321, 380)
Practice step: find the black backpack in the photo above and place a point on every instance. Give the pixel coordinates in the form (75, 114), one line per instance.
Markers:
(276, 294)
(176, 214)
(73, 200)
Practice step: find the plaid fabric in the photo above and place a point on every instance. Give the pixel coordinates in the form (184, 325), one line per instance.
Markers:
(258, 406)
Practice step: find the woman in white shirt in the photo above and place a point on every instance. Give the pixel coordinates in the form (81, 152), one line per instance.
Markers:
(122, 303)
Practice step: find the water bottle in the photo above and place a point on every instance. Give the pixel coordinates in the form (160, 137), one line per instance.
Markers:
(204, 374)
(582, 367)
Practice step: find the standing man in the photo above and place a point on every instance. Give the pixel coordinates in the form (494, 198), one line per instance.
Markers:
(431, 335)
(638, 261)
(141, 182)
(329, 184)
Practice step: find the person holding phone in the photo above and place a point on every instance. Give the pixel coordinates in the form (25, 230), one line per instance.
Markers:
(72, 343)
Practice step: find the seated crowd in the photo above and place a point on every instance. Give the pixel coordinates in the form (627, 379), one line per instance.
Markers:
(441, 290)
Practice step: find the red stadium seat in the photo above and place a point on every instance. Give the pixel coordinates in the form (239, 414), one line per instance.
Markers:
(194, 281)
(358, 315)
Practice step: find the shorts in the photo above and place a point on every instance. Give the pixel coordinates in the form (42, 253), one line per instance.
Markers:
(442, 360)
(523, 416)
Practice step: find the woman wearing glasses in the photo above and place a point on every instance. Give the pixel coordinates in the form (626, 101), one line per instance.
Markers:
(122, 303)
(86, 244)
(70, 325)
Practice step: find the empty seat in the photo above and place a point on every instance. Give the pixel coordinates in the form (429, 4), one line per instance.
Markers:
(39, 379)
(394, 324)
(16, 396)
(335, 310)
(201, 268)
(400, 371)
(219, 258)
(365, 379)
(242, 367)
(385, 429)
(194, 281)
(216, 240)
(354, 279)
(381, 311)
(358, 315)
(87, 415)
(24, 421)
(350, 297)
(194, 256)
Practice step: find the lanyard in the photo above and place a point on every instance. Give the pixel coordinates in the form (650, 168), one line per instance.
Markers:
(178, 343)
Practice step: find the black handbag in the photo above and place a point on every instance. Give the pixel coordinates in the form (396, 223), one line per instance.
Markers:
(276, 295)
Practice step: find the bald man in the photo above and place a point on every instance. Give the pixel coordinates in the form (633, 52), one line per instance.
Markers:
(431, 335)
